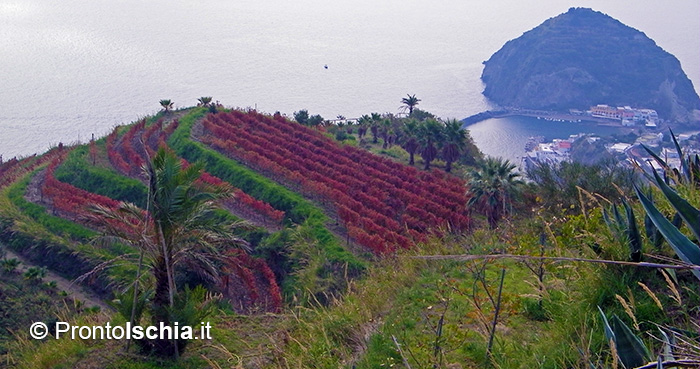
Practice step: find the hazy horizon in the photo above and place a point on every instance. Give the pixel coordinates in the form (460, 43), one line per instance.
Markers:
(73, 69)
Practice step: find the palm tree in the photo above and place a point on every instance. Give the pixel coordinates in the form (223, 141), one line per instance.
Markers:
(179, 229)
(362, 125)
(454, 142)
(409, 103)
(386, 131)
(10, 265)
(374, 126)
(409, 139)
(429, 136)
(167, 105)
(204, 100)
(35, 274)
(492, 187)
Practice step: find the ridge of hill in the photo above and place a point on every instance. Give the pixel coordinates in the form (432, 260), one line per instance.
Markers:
(284, 175)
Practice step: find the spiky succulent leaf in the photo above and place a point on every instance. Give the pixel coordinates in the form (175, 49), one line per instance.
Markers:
(650, 229)
(684, 163)
(609, 334)
(634, 239)
(630, 348)
(618, 217)
(606, 218)
(684, 248)
(661, 162)
(690, 214)
(677, 221)
(668, 347)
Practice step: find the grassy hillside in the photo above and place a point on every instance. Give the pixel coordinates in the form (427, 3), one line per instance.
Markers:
(356, 260)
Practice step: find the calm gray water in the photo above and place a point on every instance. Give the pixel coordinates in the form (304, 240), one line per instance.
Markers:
(72, 68)
(506, 137)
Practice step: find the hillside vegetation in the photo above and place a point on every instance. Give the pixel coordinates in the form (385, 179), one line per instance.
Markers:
(350, 258)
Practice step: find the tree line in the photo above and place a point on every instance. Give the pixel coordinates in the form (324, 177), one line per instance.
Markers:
(418, 132)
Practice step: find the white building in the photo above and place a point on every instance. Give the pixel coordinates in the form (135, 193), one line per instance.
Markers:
(619, 147)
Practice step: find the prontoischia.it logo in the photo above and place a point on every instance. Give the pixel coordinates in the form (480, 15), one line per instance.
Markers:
(40, 330)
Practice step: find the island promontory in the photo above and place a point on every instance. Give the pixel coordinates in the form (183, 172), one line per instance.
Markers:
(583, 58)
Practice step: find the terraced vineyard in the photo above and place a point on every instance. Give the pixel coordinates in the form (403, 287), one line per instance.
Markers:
(382, 204)
(286, 178)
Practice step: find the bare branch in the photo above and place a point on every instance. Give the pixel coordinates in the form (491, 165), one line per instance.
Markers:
(680, 265)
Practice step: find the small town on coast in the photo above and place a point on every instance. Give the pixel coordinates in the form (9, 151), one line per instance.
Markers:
(644, 127)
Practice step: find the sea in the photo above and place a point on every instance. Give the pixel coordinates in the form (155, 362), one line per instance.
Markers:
(71, 69)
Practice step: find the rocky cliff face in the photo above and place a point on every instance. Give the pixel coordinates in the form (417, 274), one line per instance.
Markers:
(582, 58)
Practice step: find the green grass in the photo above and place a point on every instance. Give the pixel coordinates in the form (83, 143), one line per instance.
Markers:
(59, 244)
(552, 324)
(76, 170)
(56, 225)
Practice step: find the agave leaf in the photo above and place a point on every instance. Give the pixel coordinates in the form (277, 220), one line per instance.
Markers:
(606, 218)
(690, 214)
(672, 274)
(630, 348)
(684, 163)
(650, 229)
(677, 221)
(668, 348)
(694, 168)
(634, 239)
(656, 157)
(609, 334)
(618, 217)
(684, 248)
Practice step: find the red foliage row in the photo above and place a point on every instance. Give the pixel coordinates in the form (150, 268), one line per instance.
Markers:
(115, 157)
(14, 169)
(68, 198)
(169, 129)
(261, 286)
(73, 203)
(7, 166)
(129, 154)
(121, 152)
(384, 204)
(242, 199)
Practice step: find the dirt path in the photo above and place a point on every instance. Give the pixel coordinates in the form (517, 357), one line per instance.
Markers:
(76, 291)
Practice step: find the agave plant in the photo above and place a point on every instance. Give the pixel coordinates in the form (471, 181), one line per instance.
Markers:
(689, 169)
(627, 228)
(652, 233)
(687, 250)
(631, 352)
(629, 349)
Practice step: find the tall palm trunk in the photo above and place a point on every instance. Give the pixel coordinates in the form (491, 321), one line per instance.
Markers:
(160, 314)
